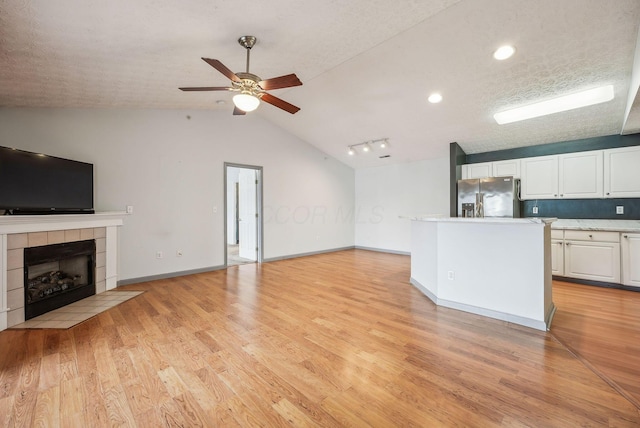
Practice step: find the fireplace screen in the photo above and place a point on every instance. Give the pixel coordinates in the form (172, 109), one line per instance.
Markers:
(58, 274)
(49, 279)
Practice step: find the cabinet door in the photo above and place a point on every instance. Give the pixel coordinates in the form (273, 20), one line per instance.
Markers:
(597, 261)
(581, 175)
(621, 172)
(477, 170)
(539, 177)
(557, 257)
(631, 259)
(507, 167)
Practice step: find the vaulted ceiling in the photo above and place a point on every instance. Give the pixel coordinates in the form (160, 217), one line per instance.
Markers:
(367, 66)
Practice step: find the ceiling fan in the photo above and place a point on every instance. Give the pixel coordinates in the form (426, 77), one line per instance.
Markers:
(251, 88)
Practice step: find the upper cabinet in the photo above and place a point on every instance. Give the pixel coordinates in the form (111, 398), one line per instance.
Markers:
(569, 176)
(622, 172)
(539, 177)
(580, 175)
(610, 173)
(477, 170)
(505, 168)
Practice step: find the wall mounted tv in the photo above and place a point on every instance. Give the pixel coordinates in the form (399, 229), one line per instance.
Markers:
(32, 183)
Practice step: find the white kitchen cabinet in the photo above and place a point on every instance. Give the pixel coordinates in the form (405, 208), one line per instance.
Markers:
(506, 168)
(622, 172)
(539, 177)
(580, 175)
(557, 252)
(630, 244)
(477, 170)
(592, 255)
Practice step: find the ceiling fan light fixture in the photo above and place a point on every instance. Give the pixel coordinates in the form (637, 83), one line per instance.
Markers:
(576, 100)
(246, 101)
(504, 52)
(435, 98)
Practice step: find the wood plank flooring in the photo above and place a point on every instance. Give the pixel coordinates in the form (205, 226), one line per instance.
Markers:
(338, 339)
(602, 327)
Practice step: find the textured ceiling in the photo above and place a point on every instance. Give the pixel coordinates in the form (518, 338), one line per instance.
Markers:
(367, 65)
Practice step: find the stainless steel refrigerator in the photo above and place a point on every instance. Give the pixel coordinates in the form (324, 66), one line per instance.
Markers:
(489, 197)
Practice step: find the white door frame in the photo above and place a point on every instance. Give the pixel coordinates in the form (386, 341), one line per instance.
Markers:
(259, 206)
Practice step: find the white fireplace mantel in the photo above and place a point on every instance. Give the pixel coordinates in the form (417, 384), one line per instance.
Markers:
(51, 223)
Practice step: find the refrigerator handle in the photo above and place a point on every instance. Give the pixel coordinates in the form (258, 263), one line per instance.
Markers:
(479, 204)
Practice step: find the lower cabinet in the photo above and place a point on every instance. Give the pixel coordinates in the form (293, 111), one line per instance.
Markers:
(630, 259)
(557, 252)
(592, 255)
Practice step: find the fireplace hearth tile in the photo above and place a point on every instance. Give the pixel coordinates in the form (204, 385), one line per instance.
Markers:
(37, 239)
(80, 311)
(17, 240)
(55, 237)
(15, 259)
(71, 235)
(15, 279)
(86, 234)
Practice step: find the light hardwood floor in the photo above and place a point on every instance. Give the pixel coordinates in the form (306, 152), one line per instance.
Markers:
(338, 339)
(602, 327)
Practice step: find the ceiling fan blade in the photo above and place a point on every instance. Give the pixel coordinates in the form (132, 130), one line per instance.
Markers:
(238, 112)
(280, 82)
(207, 88)
(275, 101)
(222, 69)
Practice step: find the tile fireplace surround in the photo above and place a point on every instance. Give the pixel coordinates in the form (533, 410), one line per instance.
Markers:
(19, 232)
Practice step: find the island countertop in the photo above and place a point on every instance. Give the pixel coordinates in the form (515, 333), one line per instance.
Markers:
(604, 225)
(486, 220)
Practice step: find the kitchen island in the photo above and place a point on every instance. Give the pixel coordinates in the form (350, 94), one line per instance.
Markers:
(495, 267)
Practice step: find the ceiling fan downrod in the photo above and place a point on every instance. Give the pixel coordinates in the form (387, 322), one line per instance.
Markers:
(247, 42)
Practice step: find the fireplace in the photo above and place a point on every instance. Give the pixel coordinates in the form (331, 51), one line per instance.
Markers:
(57, 275)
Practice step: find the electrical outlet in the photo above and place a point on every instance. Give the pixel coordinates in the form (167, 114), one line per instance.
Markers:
(535, 210)
(620, 209)
(129, 209)
(178, 253)
(158, 254)
(450, 275)
(215, 210)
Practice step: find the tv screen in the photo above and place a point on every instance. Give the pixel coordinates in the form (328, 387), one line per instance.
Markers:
(32, 183)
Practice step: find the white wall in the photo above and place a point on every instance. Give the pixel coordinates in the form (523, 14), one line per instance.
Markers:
(168, 164)
(383, 194)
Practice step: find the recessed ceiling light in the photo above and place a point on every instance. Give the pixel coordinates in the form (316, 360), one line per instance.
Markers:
(504, 52)
(556, 105)
(435, 98)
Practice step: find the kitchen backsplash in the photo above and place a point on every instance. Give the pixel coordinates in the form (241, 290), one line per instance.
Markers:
(583, 208)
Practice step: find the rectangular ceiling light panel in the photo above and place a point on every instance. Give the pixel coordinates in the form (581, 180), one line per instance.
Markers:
(556, 105)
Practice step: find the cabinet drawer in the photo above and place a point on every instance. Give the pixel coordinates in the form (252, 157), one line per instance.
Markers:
(590, 235)
(557, 234)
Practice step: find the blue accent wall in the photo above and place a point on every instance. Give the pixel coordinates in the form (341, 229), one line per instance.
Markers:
(571, 208)
(583, 208)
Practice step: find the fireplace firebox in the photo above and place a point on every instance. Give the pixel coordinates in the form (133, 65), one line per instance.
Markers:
(57, 275)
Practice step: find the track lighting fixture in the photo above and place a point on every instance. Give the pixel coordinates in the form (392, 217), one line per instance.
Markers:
(368, 146)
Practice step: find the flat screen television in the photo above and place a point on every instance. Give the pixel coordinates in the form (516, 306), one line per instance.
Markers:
(33, 183)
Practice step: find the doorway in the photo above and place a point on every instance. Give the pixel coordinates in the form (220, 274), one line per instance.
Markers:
(243, 214)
